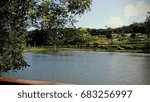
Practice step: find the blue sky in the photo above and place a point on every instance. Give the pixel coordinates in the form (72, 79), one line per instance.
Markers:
(114, 13)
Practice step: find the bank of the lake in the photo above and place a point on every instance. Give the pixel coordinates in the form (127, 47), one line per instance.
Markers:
(51, 50)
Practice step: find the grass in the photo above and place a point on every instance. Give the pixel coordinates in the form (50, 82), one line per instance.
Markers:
(38, 50)
(51, 50)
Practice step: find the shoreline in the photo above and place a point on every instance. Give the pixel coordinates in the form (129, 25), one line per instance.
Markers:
(51, 50)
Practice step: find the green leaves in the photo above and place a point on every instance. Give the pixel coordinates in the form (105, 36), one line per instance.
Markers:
(17, 15)
(45, 4)
(32, 11)
(147, 24)
(78, 7)
(12, 32)
(84, 35)
(58, 14)
(11, 57)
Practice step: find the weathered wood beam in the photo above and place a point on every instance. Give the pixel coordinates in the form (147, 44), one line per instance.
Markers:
(16, 81)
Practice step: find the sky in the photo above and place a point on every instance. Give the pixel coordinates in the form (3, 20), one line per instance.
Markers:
(114, 13)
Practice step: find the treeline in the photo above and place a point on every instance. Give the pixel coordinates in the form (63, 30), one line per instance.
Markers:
(80, 36)
(44, 37)
(132, 28)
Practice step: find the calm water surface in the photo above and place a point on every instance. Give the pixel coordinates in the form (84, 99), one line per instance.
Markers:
(80, 67)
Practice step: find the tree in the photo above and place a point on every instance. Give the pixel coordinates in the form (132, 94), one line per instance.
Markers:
(109, 35)
(147, 25)
(37, 38)
(136, 28)
(17, 15)
(54, 15)
(84, 36)
(13, 22)
(70, 35)
(133, 38)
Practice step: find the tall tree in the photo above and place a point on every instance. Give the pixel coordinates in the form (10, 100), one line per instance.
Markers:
(16, 15)
(13, 22)
(58, 14)
(147, 25)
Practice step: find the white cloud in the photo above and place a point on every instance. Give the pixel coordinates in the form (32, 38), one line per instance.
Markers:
(115, 22)
(140, 8)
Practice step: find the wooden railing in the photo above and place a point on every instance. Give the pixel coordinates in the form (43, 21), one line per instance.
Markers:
(15, 81)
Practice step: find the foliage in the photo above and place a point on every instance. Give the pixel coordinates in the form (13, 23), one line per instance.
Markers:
(132, 28)
(70, 36)
(12, 32)
(147, 25)
(54, 15)
(133, 36)
(99, 40)
(84, 36)
(17, 15)
(37, 38)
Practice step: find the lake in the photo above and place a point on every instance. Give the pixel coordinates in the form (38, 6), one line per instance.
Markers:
(88, 68)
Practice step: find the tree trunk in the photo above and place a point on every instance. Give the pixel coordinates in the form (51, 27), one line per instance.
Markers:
(148, 43)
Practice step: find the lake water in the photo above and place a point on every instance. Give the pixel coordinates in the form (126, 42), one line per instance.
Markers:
(81, 67)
